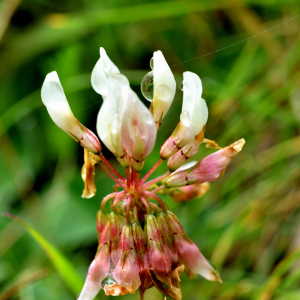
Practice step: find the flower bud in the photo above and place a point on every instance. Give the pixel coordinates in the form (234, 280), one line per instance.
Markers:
(116, 222)
(167, 237)
(126, 271)
(188, 252)
(54, 99)
(190, 192)
(181, 136)
(102, 220)
(181, 157)
(210, 168)
(159, 259)
(164, 88)
(103, 70)
(139, 244)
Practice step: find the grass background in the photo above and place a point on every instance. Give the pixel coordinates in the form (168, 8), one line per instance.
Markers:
(248, 224)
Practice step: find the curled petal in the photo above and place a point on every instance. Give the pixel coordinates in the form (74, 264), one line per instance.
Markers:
(164, 87)
(211, 168)
(102, 71)
(54, 98)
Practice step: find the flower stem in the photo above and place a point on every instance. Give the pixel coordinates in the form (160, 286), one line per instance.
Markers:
(146, 204)
(151, 171)
(105, 199)
(114, 171)
(111, 176)
(160, 202)
(157, 189)
(118, 198)
(149, 183)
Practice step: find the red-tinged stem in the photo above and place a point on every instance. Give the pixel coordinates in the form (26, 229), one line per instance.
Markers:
(118, 198)
(128, 204)
(146, 204)
(105, 199)
(117, 201)
(127, 172)
(151, 171)
(157, 189)
(107, 163)
(116, 187)
(137, 179)
(160, 202)
(121, 184)
(155, 207)
(151, 182)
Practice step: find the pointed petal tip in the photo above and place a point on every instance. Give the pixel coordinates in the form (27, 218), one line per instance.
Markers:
(238, 145)
(53, 76)
(102, 51)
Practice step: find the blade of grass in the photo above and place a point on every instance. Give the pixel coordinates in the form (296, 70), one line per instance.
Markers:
(275, 278)
(65, 269)
(22, 283)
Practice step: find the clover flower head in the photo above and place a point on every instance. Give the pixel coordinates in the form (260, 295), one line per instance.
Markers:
(141, 242)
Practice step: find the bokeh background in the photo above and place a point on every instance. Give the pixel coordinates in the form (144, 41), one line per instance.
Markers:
(248, 224)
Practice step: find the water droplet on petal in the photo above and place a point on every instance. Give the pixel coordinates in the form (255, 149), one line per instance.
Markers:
(185, 118)
(163, 92)
(147, 86)
(151, 63)
(182, 85)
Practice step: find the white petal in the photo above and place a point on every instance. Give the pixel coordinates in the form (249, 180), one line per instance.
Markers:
(103, 70)
(54, 98)
(192, 101)
(92, 286)
(110, 116)
(186, 132)
(53, 95)
(138, 125)
(164, 86)
(186, 166)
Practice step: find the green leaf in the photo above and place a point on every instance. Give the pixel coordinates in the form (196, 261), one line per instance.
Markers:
(65, 269)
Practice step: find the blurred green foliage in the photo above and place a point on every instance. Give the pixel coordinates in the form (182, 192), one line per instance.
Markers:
(249, 221)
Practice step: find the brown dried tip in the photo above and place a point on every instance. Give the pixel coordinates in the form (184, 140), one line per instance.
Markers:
(87, 174)
(118, 290)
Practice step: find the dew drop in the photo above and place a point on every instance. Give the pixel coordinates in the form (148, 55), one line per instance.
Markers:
(185, 118)
(151, 63)
(147, 86)
(163, 92)
(108, 280)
